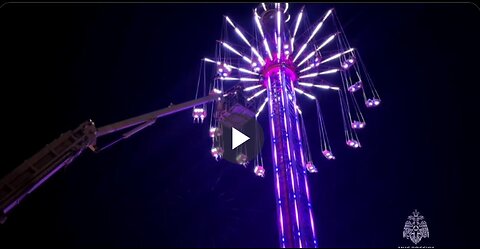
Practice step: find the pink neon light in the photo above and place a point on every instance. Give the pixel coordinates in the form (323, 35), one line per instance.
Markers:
(281, 221)
(296, 214)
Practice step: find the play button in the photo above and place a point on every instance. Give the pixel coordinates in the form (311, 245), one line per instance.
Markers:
(238, 138)
(241, 139)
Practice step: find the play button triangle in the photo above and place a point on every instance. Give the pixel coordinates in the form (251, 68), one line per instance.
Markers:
(238, 138)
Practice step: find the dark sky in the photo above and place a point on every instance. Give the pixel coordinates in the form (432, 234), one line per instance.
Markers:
(63, 64)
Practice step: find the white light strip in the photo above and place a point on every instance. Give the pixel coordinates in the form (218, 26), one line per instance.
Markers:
(327, 15)
(245, 58)
(239, 33)
(322, 86)
(230, 21)
(313, 34)
(249, 79)
(229, 78)
(247, 71)
(260, 59)
(316, 74)
(265, 43)
(261, 107)
(279, 21)
(298, 109)
(246, 89)
(208, 60)
(307, 68)
(279, 48)
(329, 71)
(305, 84)
(230, 66)
(304, 93)
(231, 49)
(257, 94)
(259, 26)
(299, 18)
(336, 56)
(320, 47)
(306, 58)
(309, 96)
(300, 52)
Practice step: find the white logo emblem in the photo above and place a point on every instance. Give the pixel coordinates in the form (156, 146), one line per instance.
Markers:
(415, 228)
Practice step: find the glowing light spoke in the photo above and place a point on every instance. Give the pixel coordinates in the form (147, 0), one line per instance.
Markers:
(239, 33)
(260, 59)
(259, 26)
(298, 109)
(247, 71)
(299, 18)
(327, 15)
(246, 89)
(329, 39)
(305, 84)
(309, 95)
(230, 21)
(308, 75)
(231, 49)
(320, 73)
(336, 56)
(229, 78)
(304, 93)
(229, 67)
(279, 48)
(208, 60)
(307, 68)
(300, 52)
(264, 7)
(242, 36)
(249, 79)
(256, 94)
(261, 107)
(279, 19)
(245, 58)
(286, 8)
(306, 58)
(265, 43)
(315, 31)
(329, 71)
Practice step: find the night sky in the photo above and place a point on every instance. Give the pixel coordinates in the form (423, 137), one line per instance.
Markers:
(63, 64)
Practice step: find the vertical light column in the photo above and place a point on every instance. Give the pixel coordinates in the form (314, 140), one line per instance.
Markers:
(294, 212)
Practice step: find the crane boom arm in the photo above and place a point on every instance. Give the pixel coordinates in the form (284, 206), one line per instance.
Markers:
(32, 173)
